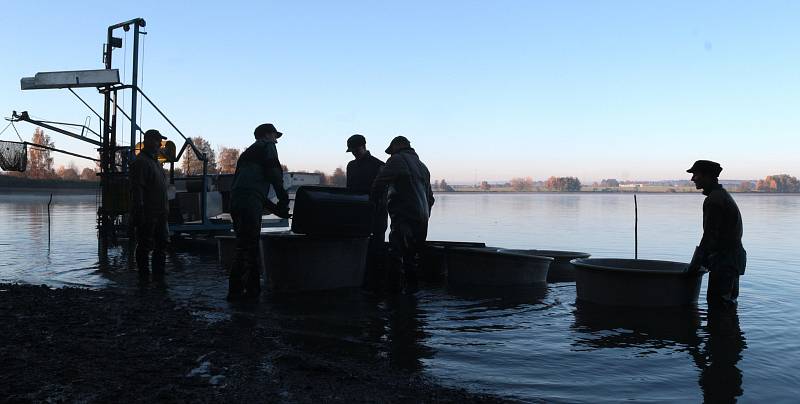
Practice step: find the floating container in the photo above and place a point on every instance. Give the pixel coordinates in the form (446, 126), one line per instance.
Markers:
(433, 263)
(297, 262)
(328, 211)
(493, 267)
(641, 283)
(561, 269)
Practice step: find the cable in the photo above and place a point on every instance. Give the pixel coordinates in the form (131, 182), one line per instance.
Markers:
(4, 129)
(15, 130)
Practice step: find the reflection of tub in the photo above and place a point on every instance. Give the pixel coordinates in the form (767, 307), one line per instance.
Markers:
(626, 282)
(561, 269)
(492, 267)
(297, 262)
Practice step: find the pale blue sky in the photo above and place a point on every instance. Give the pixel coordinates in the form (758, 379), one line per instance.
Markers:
(484, 90)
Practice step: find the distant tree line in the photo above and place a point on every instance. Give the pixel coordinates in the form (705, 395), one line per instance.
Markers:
(570, 184)
(778, 183)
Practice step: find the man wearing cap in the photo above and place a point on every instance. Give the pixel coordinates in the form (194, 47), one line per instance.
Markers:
(720, 249)
(257, 169)
(361, 173)
(410, 201)
(149, 207)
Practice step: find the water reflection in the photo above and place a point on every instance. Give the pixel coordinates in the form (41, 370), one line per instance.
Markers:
(720, 377)
(355, 323)
(715, 348)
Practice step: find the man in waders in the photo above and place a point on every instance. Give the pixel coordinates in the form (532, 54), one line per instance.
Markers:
(257, 169)
(720, 249)
(149, 207)
(361, 174)
(410, 201)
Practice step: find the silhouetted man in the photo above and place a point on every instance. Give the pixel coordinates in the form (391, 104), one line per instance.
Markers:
(361, 174)
(720, 249)
(149, 207)
(410, 201)
(257, 169)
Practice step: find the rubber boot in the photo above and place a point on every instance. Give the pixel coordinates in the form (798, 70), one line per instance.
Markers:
(142, 263)
(158, 263)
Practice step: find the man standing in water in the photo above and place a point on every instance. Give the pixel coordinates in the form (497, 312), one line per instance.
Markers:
(720, 249)
(410, 201)
(257, 169)
(361, 174)
(149, 207)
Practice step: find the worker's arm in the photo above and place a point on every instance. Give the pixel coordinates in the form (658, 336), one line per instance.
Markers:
(712, 220)
(349, 175)
(138, 189)
(274, 176)
(431, 199)
(391, 171)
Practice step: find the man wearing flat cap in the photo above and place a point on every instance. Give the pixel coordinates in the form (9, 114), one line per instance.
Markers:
(720, 249)
(361, 173)
(257, 170)
(406, 182)
(149, 207)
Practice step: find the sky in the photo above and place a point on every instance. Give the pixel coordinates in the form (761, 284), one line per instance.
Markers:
(631, 90)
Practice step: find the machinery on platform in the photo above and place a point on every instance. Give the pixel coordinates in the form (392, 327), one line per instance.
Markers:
(197, 203)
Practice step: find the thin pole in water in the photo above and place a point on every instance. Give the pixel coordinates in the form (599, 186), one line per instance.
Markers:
(48, 219)
(635, 228)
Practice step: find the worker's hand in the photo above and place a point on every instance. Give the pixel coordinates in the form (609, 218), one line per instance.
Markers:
(696, 264)
(282, 210)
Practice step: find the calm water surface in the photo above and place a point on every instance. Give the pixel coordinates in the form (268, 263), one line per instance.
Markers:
(532, 344)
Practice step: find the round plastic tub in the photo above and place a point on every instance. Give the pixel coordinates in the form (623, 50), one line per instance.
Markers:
(642, 283)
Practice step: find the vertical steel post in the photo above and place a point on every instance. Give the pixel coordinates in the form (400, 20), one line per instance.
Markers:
(135, 88)
(204, 202)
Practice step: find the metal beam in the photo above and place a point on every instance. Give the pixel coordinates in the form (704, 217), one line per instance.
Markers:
(60, 151)
(71, 79)
(23, 116)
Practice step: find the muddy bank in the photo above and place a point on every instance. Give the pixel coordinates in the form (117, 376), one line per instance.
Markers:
(120, 346)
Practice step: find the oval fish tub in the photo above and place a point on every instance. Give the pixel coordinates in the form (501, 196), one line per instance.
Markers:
(494, 267)
(432, 259)
(561, 269)
(643, 283)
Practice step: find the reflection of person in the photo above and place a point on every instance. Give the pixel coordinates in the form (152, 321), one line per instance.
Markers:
(720, 249)
(150, 207)
(720, 378)
(410, 201)
(361, 173)
(257, 169)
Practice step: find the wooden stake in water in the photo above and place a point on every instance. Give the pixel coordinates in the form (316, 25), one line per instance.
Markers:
(635, 228)
(48, 219)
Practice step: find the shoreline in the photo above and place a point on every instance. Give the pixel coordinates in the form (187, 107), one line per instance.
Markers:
(72, 344)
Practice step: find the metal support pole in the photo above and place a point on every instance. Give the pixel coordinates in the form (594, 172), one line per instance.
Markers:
(204, 202)
(134, 84)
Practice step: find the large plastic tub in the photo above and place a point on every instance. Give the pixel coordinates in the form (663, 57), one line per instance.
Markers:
(641, 283)
(493, 267)
(434, 266)
(561, 269)
(298, 262)
(328, 211)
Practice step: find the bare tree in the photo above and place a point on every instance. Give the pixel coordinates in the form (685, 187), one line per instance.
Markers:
(227, 160)
(194, 166)
(89, 175)
(40, 163)
(522, 184)
(68, 173)
(339, 178)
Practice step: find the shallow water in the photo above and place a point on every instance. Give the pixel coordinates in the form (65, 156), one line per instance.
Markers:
(531, 343)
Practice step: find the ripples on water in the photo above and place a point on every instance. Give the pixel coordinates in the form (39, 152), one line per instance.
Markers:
(527, 343)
